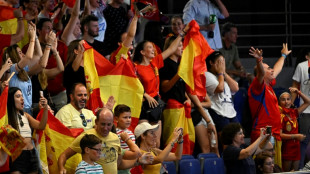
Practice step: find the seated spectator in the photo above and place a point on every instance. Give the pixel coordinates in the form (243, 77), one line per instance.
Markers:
(147, 66)
(269, 151)
(72, 30)
(146, 140)
(264, 164)
(237, 158)
(74, 114)
(28, 160)
(91, 151)
(289, 132)
(74, 69)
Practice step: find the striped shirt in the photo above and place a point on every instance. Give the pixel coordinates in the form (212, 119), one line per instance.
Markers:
(130, 134)
(85, 168)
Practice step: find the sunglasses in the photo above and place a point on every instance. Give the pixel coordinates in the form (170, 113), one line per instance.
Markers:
(98, 150)
(21, 123)
(83, 120)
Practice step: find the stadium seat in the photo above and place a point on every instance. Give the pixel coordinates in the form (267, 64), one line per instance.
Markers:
(187, 157)
(213, 165)
(170, 167)
(189, 166)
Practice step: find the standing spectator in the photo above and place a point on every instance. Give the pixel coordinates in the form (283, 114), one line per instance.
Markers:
(289, 132)
(177, 26)
(55, 81)
(91, 151)
(117, 22)
(262, 99)
(301, 81)
(238, 158)
(200, 10)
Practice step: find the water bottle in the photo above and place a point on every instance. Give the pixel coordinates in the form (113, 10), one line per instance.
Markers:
(212, 20)
(213, 140)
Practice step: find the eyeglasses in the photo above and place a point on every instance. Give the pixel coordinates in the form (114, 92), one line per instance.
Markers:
(21, 123)
(83, 120)
(98, 150)
(269, 163)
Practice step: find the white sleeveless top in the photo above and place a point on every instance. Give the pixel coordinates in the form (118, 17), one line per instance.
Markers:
(25, 131)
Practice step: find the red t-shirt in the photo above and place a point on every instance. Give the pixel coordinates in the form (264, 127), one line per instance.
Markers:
(269, 113)
(149, 75)
(290, 148)
(55, 85)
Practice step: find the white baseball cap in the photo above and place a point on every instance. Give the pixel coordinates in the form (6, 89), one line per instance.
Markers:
(142, 127)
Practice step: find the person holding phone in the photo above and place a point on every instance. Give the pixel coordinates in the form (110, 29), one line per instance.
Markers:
(289, 132)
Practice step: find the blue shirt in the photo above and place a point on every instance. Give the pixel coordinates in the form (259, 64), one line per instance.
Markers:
(24, 86)
(200, 10)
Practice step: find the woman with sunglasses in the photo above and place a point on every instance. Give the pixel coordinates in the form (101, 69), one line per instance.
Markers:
(27, 162)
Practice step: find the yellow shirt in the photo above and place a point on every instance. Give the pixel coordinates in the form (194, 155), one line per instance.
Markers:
(111, 148)
(70, 117)
(151, 169)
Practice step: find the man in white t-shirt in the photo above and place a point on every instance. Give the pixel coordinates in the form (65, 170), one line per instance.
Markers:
(301, 80)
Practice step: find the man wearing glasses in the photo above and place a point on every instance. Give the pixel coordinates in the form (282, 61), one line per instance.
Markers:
(74, 114)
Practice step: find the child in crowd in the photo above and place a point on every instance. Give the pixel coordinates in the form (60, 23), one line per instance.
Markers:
(289, 132)
(91, 150)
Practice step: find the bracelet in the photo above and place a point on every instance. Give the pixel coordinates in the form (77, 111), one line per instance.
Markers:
(181, 142)
(220, 74)
(283, 55)
(20, 18)
(32, 40)
(127, 139)
(260, 59)
(48, 48)
(209, 122)
(172, 144)
(182, 35)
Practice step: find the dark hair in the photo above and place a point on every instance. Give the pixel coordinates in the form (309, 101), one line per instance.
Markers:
(301, 56)
(259, 162)
(177, 17)
(86, 20)
(139, 139)
(212, 58)
(229, 132)
(137, 56)
(11, 108)
(227, 27)
(168, 42)
(121, 108)
(41, 22)
(74, 86)
(14, 56)
(152, 32)
(74, 45)
(89, 140)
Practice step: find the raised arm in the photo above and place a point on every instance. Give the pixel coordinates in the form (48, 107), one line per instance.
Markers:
(131, 31)
(134, 151)
(68, 31)
(297, 86)
(6, 66)
(79, 57)
(174, 45)
(18, 36)
(51, 73)
(305, 98)
(257, 54)
(279, 64)
(222, 8)
(40, 125)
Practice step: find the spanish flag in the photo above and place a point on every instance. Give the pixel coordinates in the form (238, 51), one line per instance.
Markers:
(8, 24)
(193, 65)
(177, 114)
(52, 141)
(103, 79)
(3, 106)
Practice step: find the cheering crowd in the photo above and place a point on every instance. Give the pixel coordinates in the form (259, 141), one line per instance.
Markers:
(44, 45)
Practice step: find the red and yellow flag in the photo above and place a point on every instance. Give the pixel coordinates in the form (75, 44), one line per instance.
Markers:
(3, 107)
(103, 79)
(175, 115)
(52, 141)
(155, 15)
(8, 24)
(193, 65)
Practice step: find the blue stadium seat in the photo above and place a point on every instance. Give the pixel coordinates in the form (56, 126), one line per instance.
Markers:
(187, 157)
(240, 99)
(213, 165)
(206, 155)
(189, 166)
(170, 167)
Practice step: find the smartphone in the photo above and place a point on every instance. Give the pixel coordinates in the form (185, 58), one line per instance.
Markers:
(41, 93)
(268, 129)
(180, 130)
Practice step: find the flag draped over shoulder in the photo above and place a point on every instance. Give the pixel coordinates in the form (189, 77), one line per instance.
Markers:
(193, 66)
(175, 115)
(3, 107)
(8, 24)
(52, 141)
(103, 79)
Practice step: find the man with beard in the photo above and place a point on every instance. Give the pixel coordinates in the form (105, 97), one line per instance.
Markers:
(74, 114)
(90, 30)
